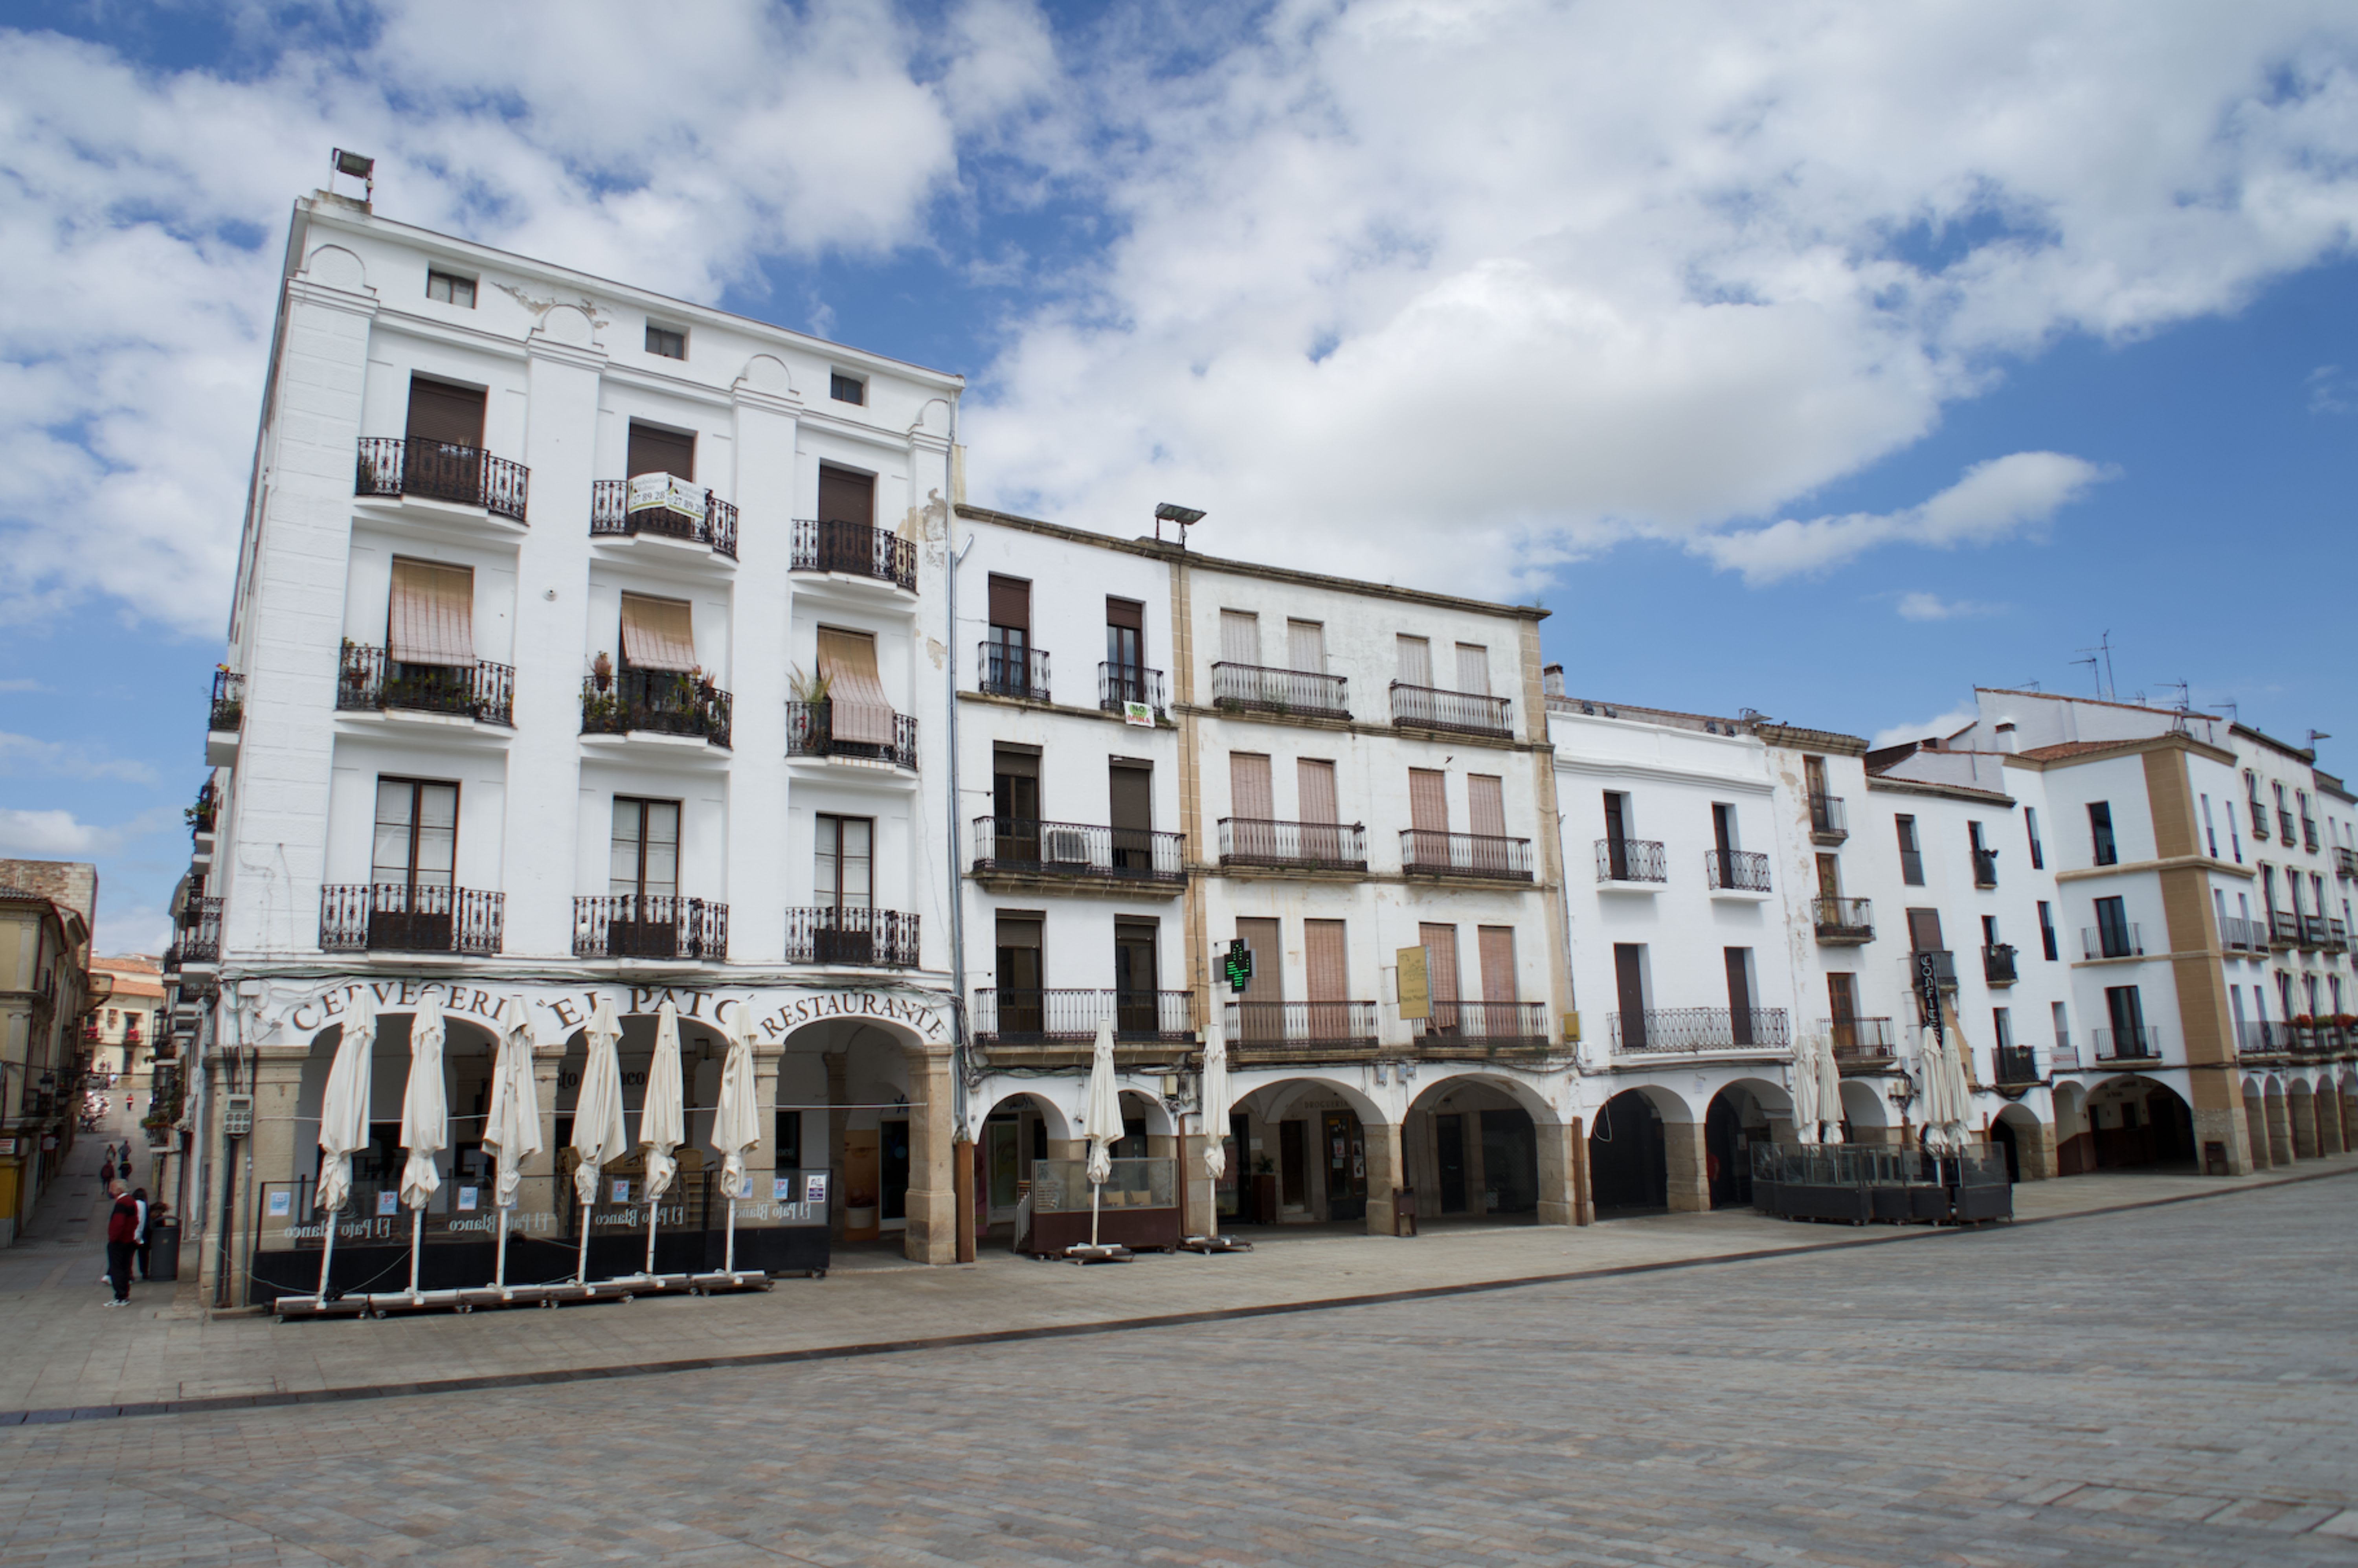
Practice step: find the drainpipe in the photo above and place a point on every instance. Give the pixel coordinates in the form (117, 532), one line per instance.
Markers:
(958, 1045)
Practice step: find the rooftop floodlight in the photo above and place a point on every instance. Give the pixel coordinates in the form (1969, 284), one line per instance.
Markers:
(360, 167)
(1170, 511)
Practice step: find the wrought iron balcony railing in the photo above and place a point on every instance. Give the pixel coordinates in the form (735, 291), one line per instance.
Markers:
(611, 513)
(1736, 870)
(650, 925)
(1985, 868)
(439, 471)
(371, 680)
(198, 938)
(854, 549)
(1267, 1030)
(1003, 671)
(2284, 928)
(2240, 936)
(1465, 854)
(1118, 685)
(883, 938)
(2261, 1037)
(1631, 860)
(2017, 1064)
(229, 700)
(203, 814)
(2118, 939)
(1023, 845)
(1997, 964)
(1684, 1029)
(1312, 845)
(2140, 1045)
(1460, 713)
(810, 732)
(1255, 688)
(2345, 860)
(1843, 919)
(658, 702)
(1829, 822)
(1860, 1044)
(1481, 1027)
(357, 917)
(1010, 1016)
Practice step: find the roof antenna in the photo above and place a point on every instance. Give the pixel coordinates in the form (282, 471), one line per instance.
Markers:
(2107, 689)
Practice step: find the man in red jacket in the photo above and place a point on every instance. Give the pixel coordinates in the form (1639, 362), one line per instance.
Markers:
(122, 1241)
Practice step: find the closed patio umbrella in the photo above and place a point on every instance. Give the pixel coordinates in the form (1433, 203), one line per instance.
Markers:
(598, 1132)
(1101, 1109)
(1830, 1102)
(1216, 1102)
(736, 1120)
(344, 1117)
(512, 1129)
(1941, 1085)
(663, 1116)
(424, 1121)
(1805, 1089)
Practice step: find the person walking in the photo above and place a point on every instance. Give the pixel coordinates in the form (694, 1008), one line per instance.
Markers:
(122, 1236)
(149, 1212)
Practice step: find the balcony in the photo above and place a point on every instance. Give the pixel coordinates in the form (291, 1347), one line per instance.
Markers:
(1004, 670)
(1426, 852)
(198, 936)
(2066, 1056)
(2237, 934)
(2316, 933)
(1303, 846)
(672, 508)
(1067, 1021)
(1676, 1030)
(651, 925)
(391, 917)
(1631, 860)
(1944, 966)
(856, 938)
(229, 701)
(2308, 834)
(1301, 1031)
(1997, 964)
(203, 814)
(1121, 685)
(371, 681)
(2337, 936)
(810, 732)
(2119, 939)
(1458, 713)
(1251, 688)
(1736, 870)
(654, 702)
(1482, 1031)
(2017, 1064)
(1829, 822)
(2345, 861)
(438, 471)
(2140, 1045)
(1845, 922)
(2262, 1038)
(1021, 847)
(2259, 820)
(1861, 1044)
(1985, 868)
(2283, 929)
(854, 549)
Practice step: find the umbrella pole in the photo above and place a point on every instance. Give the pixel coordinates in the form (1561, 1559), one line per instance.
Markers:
(1096, 1192)
(582, 1258)
(327, 1253)
(651, 1236)
(500, 1263)
(728, 1251)
(416, 1230)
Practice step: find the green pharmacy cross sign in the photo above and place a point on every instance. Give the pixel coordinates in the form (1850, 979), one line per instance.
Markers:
(1238, 965)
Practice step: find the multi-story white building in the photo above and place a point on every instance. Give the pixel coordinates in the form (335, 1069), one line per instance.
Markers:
(587, 645)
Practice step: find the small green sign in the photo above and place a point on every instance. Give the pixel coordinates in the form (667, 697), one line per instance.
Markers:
(1238, 965)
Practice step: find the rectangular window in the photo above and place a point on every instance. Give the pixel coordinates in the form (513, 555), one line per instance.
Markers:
(1250, 797)
(1415, 660)
(450, 289)
(846, 495)
(1630, 992)
(1911, 855)
(1021, 1008)
(1474, 669)
(2030, 827)
(1126, 649)
(1264, 940)
(846, 388)
(1439, 945)
(1723, 838)
(438, 411)
(1239, 637)
(2061, 1018)
(2046, 929)
(1130, 795)
(1313, 781)
(654, 451)
(1428, 800)
(1984, 858)
(417, 834)
(2100, 831)
(1014, 786)
(2002, 1028)
(2127, 1009)
(1924, 931)
(1325, 956)
(1305, 646)
(667, 341)
(1137, 976)
(2209, 830)
(1841, 1005)
(645, 862)
(1006, 663)
(1486, 804)
(846, 875)
(1497, 967)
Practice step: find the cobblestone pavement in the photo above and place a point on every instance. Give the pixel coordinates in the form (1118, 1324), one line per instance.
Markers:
(2170, 1385)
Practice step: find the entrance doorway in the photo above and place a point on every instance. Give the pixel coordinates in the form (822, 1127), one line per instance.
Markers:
(1629, 1163)
(2002, 1134)
(1344, 1148)
(1449, 1134)
(1511, 1162)
(1727, 1152)
(2135, 1123)
(894, 1173)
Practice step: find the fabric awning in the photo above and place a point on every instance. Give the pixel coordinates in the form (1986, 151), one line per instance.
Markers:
(657, 633)
(431, 620)
(863, 713)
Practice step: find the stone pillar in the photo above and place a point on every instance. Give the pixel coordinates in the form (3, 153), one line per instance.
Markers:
(2034, 1149)
(540, 1194)
(838, 1121)
(2332, 1132)
(2279, 1132)
(2301, 1114)
(1559, 1173)
(932, 1235)
(268, 1154)
(2255, 1116)
(1683, 1154)
(1382, 1141)
(1199, 1206)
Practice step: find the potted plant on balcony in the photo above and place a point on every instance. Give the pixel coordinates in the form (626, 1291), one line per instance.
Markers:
(601, 671)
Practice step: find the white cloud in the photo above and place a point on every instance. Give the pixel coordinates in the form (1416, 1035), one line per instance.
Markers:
(1993, 500)
(22, 683)
(1922, 606)
(23, 754)
(2328, 391)
(1940, 726)
(144, 929)
(57, 834)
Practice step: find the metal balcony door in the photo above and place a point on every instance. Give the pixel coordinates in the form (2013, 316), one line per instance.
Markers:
(1135, 978)
(1629, 982)
(1130, 792)
(1344, 1148)
(1262, 1014)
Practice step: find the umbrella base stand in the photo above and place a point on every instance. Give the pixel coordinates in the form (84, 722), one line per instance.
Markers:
(1216, 1244)
(728, 1279)
(1088, 1252)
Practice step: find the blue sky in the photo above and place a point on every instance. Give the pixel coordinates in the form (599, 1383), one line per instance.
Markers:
(1823, 360)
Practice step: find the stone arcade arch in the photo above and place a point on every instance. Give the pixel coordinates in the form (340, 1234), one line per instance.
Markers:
(2026, 1143)
(2136, 1122)
(2279, 1122)
(1317, 1148)
(1477, 1144)
(1865, 1114)
(2075, 1145)
(868, 1100)
(1741, 1114)
(1641, 1155)
(1015, 1130)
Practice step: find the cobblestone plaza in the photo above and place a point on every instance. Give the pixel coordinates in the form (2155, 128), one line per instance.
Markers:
(2171, 1384)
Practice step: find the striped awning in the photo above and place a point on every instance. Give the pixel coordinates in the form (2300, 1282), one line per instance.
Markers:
(657, 633)
(863, 713)
(431, 618)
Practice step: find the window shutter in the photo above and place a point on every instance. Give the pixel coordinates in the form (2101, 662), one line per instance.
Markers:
(657, 633)
(1415, 661)
(661, 451)
(440, 412)
(1131, 797)
(1439, 945)
(1428, 800)
(1324, 952)
(1314, 783)
(1239, 637)
(1264, 940)
(847, 497)
(1498, 965)
(430, 619)
(1126, 612)
(861, 712)
(1250, 794)
(1011, 602)
(1305, 646)
(1486, 804)
(1474, 669)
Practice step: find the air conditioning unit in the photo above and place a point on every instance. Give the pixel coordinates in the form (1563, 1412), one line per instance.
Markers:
(1067, 846)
